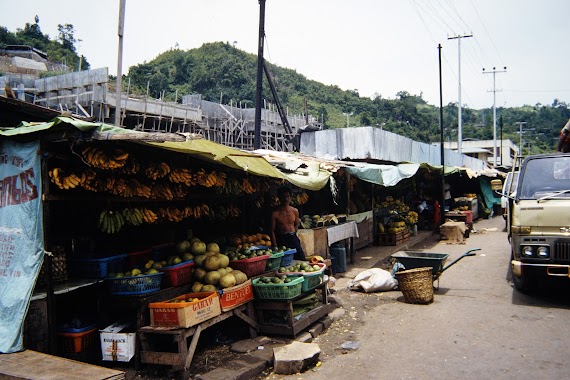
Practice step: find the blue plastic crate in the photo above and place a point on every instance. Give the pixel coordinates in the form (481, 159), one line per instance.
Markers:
(287, 258)
(143, 284)
(71, 330)
(97, 267)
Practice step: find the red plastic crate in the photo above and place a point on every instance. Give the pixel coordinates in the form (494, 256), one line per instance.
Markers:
(73, 343)
(138, 259)
(178, 275)
(251, 267)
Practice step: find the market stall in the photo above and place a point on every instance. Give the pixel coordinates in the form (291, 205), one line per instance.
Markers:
(130, 220)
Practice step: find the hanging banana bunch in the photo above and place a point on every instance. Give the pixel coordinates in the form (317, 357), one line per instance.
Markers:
(157, 170)
(131, 167)
(111, 222)
(233, 211)
(102, 159)
(148, 215)
(132, 216)
(247, 187)
(179, 190)
(63, 181)
(161, 191)
(181, 175)
(170, 214)
(259, 201)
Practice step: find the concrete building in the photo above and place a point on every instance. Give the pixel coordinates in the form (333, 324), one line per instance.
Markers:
(483, 150)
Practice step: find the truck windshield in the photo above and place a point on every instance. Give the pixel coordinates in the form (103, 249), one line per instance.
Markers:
(546, 178)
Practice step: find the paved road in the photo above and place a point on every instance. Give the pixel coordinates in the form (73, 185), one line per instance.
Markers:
(478, 327)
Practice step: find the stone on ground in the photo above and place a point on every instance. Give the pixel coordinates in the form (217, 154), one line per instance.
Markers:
(295, 357)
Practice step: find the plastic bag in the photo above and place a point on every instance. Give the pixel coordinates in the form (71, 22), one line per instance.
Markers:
(373, 280)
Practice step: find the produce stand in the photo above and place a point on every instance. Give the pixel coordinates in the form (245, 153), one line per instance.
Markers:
(31, 364)
(182, 359)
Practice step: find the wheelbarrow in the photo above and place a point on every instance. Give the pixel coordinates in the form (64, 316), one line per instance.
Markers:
(416, 259)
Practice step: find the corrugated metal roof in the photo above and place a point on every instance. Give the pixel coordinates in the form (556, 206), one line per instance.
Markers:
(376, 144)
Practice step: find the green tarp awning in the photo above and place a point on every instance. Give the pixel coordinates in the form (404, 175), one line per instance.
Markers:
(385, 175)
(205, 149)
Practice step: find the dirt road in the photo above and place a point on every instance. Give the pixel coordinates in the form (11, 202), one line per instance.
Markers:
(478, 327)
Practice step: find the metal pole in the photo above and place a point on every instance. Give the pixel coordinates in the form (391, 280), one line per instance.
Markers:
(442, 151)
(259, 86)
(494, 123)
(122, 5)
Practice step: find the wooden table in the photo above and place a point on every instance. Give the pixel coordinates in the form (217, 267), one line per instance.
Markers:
(30, 364)
(182, 359)
(135, 307)
(344, 231)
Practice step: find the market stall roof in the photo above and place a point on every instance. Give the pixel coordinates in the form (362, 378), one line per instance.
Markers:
(182, 143)
(385, 175)
(489, 172)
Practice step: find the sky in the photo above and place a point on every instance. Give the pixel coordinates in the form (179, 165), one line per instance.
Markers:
(376, 47)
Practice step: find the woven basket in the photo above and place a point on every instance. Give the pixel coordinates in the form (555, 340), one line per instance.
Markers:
(416, 285)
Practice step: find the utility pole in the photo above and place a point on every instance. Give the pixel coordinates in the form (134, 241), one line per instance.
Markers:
(520, 123)
(441, 150)
(494, 72)
(118, 84)
(459, 135)
(259, 86)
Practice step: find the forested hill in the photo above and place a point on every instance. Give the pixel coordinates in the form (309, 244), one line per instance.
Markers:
(220, 71)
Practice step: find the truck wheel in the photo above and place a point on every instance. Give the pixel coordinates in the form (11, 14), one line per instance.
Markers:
(525, 283)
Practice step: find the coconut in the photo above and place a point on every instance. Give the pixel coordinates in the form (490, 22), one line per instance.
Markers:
(213, 247)
(224, 260)
(212, 263)
(199, 274)
(227, 281)
(199, 259)
(239, 276)
(212, 278)
(183, 246)
(209, 288)
(197, 287)
(198, 247)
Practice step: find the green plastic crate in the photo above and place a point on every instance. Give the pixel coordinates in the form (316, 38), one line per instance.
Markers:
(283, 291)
(274, 261)
(310, 279)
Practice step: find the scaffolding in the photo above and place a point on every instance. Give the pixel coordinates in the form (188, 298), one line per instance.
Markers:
(87, 94)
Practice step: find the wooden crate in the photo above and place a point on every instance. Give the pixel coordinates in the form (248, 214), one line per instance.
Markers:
(392, 239)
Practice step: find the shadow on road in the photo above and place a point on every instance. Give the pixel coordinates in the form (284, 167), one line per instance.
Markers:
(550, 293)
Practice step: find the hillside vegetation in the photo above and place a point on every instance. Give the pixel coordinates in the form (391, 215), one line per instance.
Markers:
(220, 71)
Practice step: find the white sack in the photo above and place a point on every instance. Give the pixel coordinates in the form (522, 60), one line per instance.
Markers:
(374, 280)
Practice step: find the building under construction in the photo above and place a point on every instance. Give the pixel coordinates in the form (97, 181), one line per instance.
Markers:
(88, 94)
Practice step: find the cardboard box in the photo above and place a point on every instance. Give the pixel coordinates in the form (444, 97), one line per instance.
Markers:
(116, 344)
(185, 314)
(314, 241)
(230, 298)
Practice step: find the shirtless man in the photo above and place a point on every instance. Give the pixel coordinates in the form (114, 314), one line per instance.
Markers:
(285, 223)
